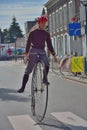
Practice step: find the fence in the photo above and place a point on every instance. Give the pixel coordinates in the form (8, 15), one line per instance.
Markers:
(71, 65)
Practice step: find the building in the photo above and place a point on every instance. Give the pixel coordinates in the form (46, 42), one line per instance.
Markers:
(20, 43)
(28, 25)
(60, 14)
(4, 47)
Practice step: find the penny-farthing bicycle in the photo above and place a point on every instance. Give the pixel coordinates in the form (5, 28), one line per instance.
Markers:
(39, 91)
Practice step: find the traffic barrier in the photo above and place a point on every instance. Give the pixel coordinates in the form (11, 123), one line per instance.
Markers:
(78, 64)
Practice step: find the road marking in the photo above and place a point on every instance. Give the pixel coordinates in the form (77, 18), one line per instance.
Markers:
(23, 122)
(71, 120)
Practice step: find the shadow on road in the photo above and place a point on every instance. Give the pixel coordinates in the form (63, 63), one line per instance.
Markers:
(53, 123)
(7, 94)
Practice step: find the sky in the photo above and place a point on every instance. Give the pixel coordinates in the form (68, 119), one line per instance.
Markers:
(23, 10)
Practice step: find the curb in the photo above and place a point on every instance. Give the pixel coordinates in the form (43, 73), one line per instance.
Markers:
(77, 80)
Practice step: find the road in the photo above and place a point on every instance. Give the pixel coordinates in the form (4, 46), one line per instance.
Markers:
(67, 106)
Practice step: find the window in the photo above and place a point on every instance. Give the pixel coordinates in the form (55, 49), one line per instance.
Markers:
(53, 19)
(57, 19)
(50, 23)
(61, 17)
(70, 11)
(65, 15)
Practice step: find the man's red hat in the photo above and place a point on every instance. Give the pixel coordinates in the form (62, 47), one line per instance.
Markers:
(42, 19)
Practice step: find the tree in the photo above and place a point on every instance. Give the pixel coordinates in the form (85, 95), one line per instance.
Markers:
(14, 30)
(6, 36)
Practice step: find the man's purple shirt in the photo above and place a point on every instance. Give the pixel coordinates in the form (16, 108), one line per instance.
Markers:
(37, 39)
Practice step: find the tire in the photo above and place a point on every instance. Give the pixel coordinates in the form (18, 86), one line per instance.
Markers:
(39, 92)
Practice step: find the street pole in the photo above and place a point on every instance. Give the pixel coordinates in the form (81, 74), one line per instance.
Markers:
(0, 41)
(86, 27)
(15, 38)
(84, 3)
(15, 52)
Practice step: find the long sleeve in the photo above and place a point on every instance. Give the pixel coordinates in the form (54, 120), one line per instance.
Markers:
(49, 45)
(28, 43)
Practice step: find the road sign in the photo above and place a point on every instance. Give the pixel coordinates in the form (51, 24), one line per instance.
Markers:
(74, 29)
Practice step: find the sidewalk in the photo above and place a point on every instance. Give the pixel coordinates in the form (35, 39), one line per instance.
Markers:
(79, 78)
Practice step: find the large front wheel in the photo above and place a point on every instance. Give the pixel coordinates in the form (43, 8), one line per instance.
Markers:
(39, 92)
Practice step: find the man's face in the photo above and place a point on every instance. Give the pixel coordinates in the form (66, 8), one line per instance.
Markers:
(42, 25)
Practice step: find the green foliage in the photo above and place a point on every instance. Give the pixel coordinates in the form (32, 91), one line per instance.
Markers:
(14, 31)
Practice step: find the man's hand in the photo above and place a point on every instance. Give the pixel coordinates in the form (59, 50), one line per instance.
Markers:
(25, 53)
(26, 58)
(55, 58)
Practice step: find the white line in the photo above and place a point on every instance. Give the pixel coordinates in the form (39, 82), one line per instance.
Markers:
(23, 122)
(71, 120)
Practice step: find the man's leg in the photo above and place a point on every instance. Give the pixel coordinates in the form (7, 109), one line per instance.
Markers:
(24, 81)
(45, 74)
(28, 70)
(44, 59)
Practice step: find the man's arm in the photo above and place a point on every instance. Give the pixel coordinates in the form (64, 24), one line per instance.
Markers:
(28, 44)
(50, 47)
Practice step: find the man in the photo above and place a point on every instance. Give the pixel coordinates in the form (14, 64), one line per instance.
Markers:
(36, 43)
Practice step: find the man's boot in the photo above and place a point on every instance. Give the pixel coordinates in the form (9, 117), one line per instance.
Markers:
(25, 79)
(45, 79)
